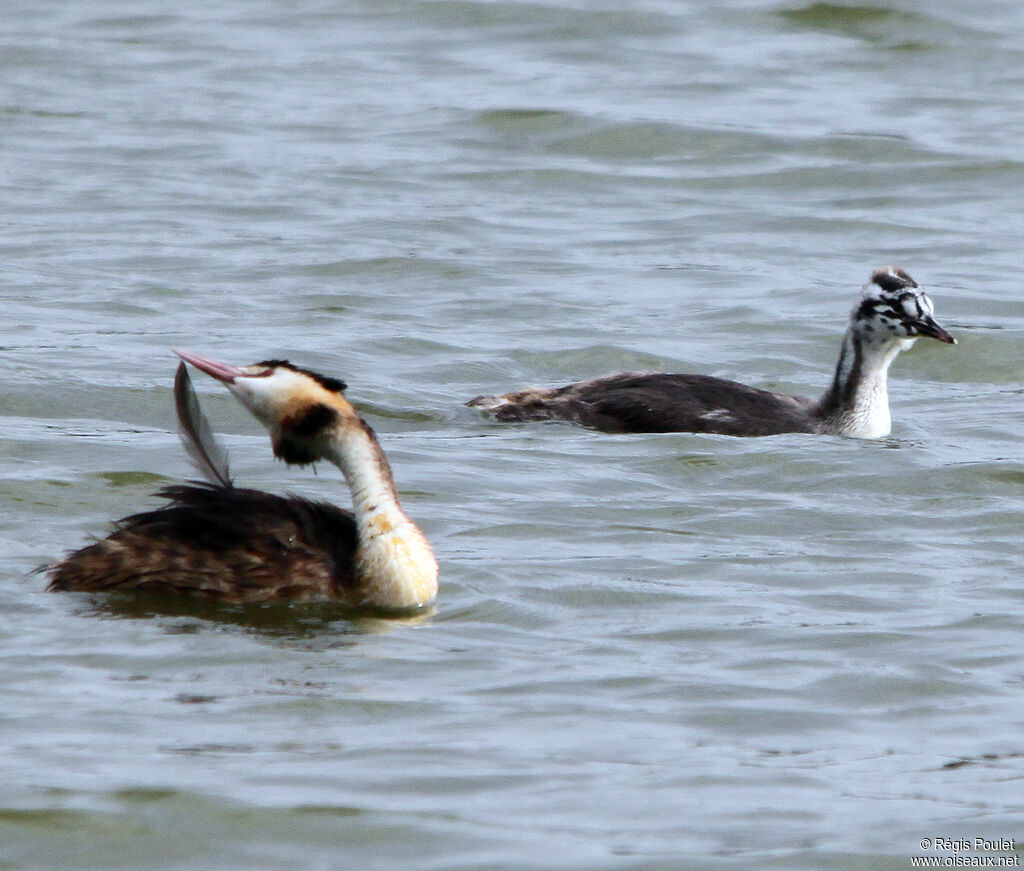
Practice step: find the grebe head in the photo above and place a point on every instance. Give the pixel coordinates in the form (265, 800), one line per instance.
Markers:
(301, 409)
(894, 306)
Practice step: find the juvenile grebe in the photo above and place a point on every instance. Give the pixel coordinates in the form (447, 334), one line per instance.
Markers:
(216, 541)
(892, 313)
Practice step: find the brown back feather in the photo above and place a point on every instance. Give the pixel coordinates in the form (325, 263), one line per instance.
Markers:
(233, 545)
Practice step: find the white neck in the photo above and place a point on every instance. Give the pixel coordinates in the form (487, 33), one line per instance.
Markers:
(394, 565)
(857, 402)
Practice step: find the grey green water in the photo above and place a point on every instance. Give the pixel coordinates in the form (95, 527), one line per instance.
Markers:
(650, 652)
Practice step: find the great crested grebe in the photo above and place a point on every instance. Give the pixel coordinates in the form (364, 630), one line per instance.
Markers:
(892, 313)
(216, 541)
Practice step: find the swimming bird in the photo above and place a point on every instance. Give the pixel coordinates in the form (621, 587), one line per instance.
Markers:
(892, 313)
(217, 541)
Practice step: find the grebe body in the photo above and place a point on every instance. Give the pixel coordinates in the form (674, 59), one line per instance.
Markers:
(892, 313)
(216, 541)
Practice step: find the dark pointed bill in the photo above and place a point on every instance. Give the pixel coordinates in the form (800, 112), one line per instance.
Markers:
(221, 371)
(927, 326)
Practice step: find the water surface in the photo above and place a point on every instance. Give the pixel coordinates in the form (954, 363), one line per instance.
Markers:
(650, 651)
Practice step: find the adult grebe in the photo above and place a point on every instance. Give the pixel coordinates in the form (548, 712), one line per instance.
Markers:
(216, 541)
(892, 313)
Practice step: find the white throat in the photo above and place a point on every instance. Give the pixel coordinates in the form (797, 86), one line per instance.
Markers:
(394, 565)
(857, 402)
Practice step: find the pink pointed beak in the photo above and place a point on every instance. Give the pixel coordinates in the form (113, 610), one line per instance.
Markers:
(221, 371)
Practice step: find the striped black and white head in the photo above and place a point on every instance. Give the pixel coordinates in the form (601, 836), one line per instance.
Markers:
(301, 409)
(893, 306)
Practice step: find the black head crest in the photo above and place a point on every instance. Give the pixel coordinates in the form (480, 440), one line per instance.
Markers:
(893, 279)
(335, 385)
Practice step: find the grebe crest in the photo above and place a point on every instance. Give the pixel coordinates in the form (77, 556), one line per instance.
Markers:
(300, 408)
(893, 304)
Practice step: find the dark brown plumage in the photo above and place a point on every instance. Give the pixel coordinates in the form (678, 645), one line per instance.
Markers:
(227, 544)
(657, 402)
